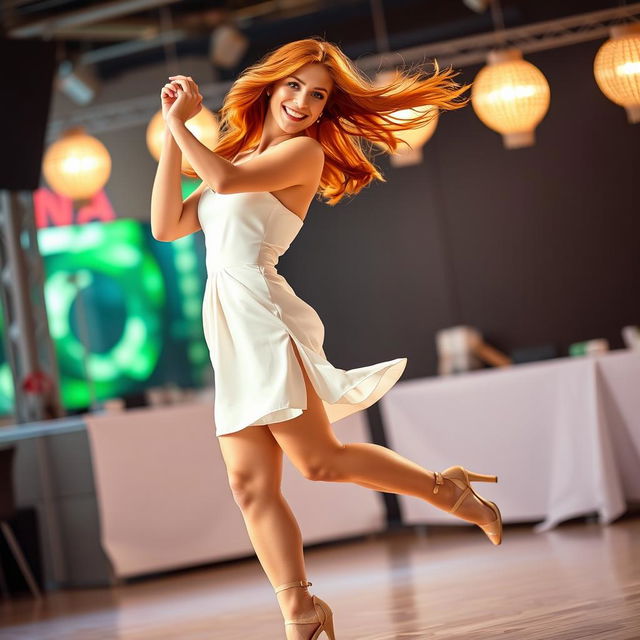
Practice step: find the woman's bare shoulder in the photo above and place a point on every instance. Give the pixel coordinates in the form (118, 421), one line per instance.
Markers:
(308, 154)
(308, 144)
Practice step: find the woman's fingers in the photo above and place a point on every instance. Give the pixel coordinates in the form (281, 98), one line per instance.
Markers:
(182, 79)
(169, 89)
(183, 84)
(185, 79)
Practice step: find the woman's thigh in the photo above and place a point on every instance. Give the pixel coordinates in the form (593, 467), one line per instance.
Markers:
(308, 440)
(253, 459)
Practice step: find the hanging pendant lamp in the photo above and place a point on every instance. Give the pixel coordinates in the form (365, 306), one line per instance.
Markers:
(77, 165)
(511, 96)
(415, 139)
(616, 68)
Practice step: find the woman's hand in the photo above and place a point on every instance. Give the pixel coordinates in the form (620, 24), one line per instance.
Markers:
(168, 96)
(188, 102)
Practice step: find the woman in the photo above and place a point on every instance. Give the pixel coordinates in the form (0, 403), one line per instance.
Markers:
(292, 128)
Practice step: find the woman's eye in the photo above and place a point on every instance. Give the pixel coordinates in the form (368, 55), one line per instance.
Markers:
(317, 93)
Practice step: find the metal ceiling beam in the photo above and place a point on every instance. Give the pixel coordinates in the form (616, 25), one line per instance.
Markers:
(458, 52)
(116, 8)
(187, 26)
(60, 26)
(136, 28)
(133, 46)
(470, 50)
(109, 31)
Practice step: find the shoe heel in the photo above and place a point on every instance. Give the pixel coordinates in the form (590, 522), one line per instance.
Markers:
(327, 624)
(328, 627)
(479, 477)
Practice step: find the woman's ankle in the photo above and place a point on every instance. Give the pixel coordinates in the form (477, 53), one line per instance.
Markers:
(295, 604)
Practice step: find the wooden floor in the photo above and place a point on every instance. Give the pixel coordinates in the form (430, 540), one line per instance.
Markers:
(578, 581)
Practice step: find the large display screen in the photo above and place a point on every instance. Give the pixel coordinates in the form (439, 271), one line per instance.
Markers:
(124, 311)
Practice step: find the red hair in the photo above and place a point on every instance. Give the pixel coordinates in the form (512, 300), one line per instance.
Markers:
(356, 110)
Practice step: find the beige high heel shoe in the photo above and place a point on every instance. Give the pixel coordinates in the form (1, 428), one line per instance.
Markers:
(462, 478)
(324, 615)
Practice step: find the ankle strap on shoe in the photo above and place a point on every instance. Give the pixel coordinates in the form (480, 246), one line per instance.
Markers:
(439, 480)
(289, 585)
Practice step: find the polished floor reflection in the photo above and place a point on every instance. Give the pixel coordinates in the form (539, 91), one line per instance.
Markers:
(579, 581)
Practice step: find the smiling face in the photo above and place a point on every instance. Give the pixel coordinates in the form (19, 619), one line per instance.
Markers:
(298, 100)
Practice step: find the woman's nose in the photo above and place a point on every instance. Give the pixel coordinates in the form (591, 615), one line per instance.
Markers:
(301, 101)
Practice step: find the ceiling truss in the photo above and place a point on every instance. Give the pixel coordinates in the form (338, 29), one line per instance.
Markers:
(458, 52)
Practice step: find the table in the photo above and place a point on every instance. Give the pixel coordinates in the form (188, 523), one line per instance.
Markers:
(121, 494)
(563, 436)
(165, 502)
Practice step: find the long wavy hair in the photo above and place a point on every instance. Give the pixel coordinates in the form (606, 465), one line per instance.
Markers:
(357, 110)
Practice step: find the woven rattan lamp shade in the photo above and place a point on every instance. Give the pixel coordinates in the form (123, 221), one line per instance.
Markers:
(415, 138)
(411, 152)
(204, 126)
(511, 96)
(77, 165)
(616, 68)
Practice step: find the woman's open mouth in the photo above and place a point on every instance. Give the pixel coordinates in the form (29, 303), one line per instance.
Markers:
(293, 115)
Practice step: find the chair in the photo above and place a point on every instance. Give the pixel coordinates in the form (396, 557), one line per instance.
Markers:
(7, 511)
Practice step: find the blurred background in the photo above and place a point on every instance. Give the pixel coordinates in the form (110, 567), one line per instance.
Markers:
(507, 235)
(534, 245)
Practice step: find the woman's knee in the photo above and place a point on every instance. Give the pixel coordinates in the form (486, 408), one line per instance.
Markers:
(325, 468)
(250, 489)
(253, 460)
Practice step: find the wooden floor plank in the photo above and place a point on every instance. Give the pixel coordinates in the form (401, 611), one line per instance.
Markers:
(580, 581)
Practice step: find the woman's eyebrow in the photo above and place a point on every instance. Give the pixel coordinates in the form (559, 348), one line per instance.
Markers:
(304, 83)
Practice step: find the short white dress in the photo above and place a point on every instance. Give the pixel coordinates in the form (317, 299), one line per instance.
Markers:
(250, 314)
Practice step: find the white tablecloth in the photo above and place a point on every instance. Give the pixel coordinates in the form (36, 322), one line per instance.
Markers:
(563, 436)
(164, 498)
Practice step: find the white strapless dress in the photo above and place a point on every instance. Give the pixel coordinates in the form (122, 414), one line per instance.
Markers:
(250, 315)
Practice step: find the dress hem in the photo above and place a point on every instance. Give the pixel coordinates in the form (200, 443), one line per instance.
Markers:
(344, 409)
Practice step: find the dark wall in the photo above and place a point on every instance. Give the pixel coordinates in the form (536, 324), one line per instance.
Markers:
(532, 246)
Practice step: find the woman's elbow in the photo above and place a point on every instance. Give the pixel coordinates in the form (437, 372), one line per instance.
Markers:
(161, 235)
(229, 182)
(223, 185)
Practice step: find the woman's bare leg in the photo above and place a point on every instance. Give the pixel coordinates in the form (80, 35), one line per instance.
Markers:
(314, 449)
(253, 460)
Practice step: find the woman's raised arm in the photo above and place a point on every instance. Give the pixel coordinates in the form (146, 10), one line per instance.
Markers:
(166, 196)
(171, 218)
